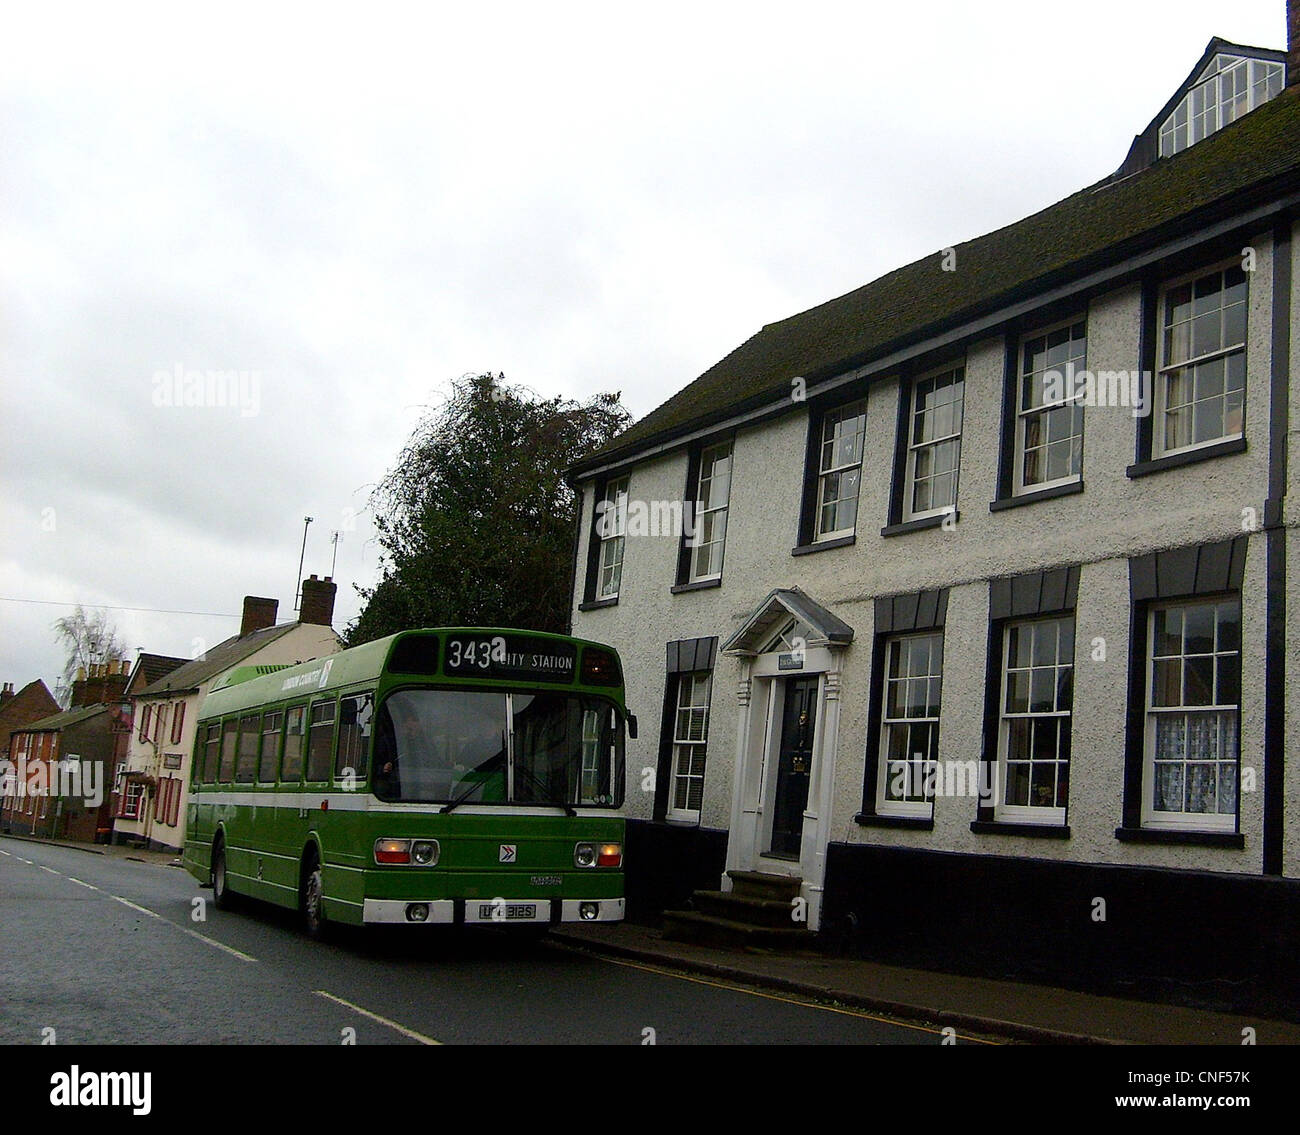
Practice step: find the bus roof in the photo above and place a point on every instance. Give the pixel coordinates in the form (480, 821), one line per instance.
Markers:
(247, 687)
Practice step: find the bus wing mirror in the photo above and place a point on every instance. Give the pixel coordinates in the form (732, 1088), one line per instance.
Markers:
(631, 726)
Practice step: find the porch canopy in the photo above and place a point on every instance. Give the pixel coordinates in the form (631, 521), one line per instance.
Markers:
(819, 626)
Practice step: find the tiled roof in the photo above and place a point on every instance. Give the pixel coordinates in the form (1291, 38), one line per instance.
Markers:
(63, 720)
(218, 658)
(156, 666)
(1251, 161)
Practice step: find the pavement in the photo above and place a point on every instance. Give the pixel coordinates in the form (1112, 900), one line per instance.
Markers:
(1017, 1011)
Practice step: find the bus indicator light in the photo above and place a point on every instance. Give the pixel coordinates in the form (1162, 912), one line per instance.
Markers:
(611, 855)
(392, 851)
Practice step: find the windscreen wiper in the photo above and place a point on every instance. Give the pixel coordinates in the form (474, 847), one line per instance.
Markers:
(478, 784)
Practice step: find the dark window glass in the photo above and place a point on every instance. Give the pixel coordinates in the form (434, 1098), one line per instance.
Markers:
(249, 738)
(271, 725)
(294, 729)
(229, 738)
(320, 749)
(355, 717)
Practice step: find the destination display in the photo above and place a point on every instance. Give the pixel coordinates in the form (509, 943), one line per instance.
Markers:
(514, 657)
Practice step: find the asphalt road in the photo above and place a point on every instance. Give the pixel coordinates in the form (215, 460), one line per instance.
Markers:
(105, 951)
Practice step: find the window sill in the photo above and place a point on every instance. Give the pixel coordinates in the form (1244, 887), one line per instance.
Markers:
(1041, 495)
(597, 604)
(1034, 831)
(823, 545)
(924, 522)
(875, 820)
(1234, 840)
(699, 585)
(1189, 457)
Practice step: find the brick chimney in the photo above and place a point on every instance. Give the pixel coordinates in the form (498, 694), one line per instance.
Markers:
(6, 693)
(103, 683)
(259, 614)
(1293, 43)
(318, 601)
(78, 698)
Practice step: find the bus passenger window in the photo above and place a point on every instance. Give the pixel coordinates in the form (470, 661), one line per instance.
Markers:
(229, 736)
(320, 745)
(355, 716)
(211, 753)
(270, 747)
(249, 738)
(291, 772)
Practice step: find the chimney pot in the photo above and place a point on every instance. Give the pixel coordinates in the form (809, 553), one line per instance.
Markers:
(259, 614)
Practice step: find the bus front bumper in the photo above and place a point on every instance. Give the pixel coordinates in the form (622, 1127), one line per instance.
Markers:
(491, 912)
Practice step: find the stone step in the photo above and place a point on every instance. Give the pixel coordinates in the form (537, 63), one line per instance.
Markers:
(741, 908)
(760, 885)
(708, 930)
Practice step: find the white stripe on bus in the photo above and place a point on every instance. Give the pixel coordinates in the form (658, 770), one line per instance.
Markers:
(307, 800)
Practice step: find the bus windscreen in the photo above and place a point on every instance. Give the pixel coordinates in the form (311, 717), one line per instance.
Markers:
(453, 746)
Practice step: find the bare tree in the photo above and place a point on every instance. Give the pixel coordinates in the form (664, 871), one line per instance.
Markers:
(89, 638)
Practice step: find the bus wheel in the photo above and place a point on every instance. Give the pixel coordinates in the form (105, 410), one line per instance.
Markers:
(313, 899)
(222, 896)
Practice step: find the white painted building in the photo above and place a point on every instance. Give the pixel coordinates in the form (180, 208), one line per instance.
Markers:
(917, 563)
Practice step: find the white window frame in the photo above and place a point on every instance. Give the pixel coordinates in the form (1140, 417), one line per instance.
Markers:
(693, 749)
(924, 808)
(1204, 109)
(1187, 821)
(1192, 362)
(957, 375)
(710, 459)
(1019, 485)
(826, 469)
(131, 805)
(612, 533)
(1034, 813)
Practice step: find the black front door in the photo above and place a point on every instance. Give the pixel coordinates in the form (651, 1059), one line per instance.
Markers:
(794, 763)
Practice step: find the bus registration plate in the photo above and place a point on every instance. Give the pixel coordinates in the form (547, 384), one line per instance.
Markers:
(507, 912)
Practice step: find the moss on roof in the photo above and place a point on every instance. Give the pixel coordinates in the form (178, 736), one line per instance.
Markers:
(1248, 159)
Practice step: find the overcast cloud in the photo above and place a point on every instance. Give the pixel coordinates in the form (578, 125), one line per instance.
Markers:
(358, 204)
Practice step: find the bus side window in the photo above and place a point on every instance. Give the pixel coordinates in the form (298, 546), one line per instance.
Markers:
(320, 743)
(386, 782)
(294, 729)
(355, 717)
(229, 738)
(250, 736)
(267, 770)
(211, 753)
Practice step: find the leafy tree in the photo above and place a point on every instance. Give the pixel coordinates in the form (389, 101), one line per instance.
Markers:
(88, 638)
(476, 521)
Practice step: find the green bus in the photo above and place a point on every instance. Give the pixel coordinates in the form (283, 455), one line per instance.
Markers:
(437, 776)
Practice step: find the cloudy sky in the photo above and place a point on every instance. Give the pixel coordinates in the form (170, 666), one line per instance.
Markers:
(351, 206)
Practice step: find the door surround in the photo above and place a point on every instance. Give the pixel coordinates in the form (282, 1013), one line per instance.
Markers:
(817, 652)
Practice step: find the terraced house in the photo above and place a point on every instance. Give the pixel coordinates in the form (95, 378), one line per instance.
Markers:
(974, 637)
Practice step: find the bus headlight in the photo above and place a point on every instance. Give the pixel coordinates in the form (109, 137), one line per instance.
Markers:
(425, 852)
(584, 855)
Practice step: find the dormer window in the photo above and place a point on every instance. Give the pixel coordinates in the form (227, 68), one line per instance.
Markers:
(1232, 85)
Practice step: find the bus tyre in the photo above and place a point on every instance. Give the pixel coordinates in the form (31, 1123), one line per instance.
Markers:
(313, 900)
(222, 897)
